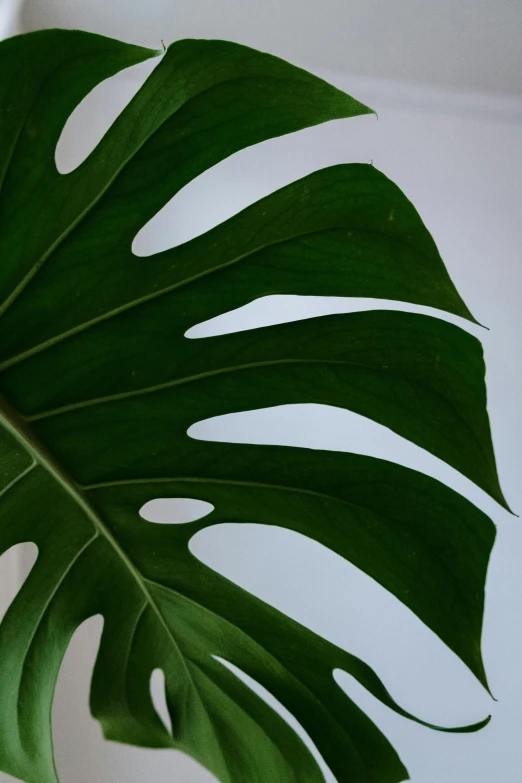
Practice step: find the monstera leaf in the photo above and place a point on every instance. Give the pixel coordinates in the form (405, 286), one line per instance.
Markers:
(100, 384)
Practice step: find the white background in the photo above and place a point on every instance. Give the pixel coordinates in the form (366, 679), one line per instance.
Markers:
(458, 156)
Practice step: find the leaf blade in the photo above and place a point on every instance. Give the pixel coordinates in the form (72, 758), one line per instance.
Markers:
(126, 336)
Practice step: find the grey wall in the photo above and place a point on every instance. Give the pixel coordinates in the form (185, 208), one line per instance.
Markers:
(459, 159)
(469, 44)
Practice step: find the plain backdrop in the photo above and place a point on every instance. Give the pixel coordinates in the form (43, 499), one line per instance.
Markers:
(458, 155)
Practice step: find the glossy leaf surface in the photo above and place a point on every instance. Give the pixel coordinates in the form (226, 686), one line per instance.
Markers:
(99, 385)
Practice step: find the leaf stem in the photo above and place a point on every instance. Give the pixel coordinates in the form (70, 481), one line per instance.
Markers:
(17, 426)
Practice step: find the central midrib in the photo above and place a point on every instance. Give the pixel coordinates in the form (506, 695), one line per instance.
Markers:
(12, 422)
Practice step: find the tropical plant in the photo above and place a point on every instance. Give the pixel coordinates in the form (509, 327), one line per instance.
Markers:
(99, 385)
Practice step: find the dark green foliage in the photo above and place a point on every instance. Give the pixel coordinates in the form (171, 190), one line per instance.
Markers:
(99, 386)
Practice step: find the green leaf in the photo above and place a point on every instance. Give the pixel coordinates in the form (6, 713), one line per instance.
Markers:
(100, 384)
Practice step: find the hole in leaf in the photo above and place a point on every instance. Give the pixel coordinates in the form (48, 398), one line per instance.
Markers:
(78, 738)
(279, 309)
(317, 426)
(175, 511)
(94, 115)
(82, 753)
(238, 181)
(159, 698)
(287, 716)
(335, 599)
(15, 566)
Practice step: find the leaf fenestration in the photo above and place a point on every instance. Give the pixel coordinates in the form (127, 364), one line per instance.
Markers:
(99, 386)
